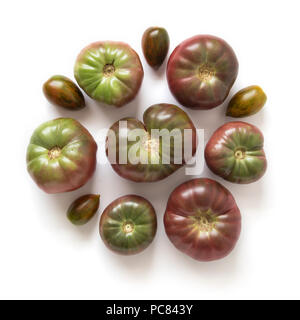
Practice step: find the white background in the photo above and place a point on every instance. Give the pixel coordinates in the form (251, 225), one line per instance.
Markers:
(43, 256)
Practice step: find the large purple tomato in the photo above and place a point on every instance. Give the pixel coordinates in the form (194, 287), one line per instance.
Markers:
(202, 219)
(201, 72)
(152, 163)
(235, 152)
(109, 72)
(61, 155)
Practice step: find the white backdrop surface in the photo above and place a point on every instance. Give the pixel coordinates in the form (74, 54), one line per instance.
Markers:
(43, 256)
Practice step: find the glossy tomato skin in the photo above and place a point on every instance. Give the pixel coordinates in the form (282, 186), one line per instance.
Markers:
(161, 116)
(246, 102)
(61, 155)
(155, 45)
(109, 72)
(235, 152)
(201, 72)
(128, 225)
(82, 210)
(202, 219)
(63, 92)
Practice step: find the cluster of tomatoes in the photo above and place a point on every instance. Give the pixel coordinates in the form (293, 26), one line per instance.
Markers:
(201, 218)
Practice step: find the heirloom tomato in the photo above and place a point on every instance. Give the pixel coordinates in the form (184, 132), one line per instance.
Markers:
(109, 72)
(202, 219)
(83, 209)
(235, 152)
(63, 92)
(128, 225)
(246, 102)
(61, 155)
(155, 45)
(201, 72)
(158, 156)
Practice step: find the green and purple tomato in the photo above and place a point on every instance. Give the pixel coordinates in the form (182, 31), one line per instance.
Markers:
(83, 209)
(201, 72)
(202, 219)
(109, 72)
(128, 225)
(158, 157)
(155, 45)
(63, 92)
(235, 152)
(61, 155)
(246, 102)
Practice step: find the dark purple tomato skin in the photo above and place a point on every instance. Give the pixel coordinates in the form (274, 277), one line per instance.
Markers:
(83, 209)
(155, 45)
(235, 152)
(159, 116)
(202, 219)
(64, 93)
(201, 72)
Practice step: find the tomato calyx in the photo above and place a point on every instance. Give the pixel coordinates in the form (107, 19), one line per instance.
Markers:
(128, 227)
(151, 147)
(204, 221)
(108, 70)
(150, 144)
(54, 153)
(240, 153)
(206, 72)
